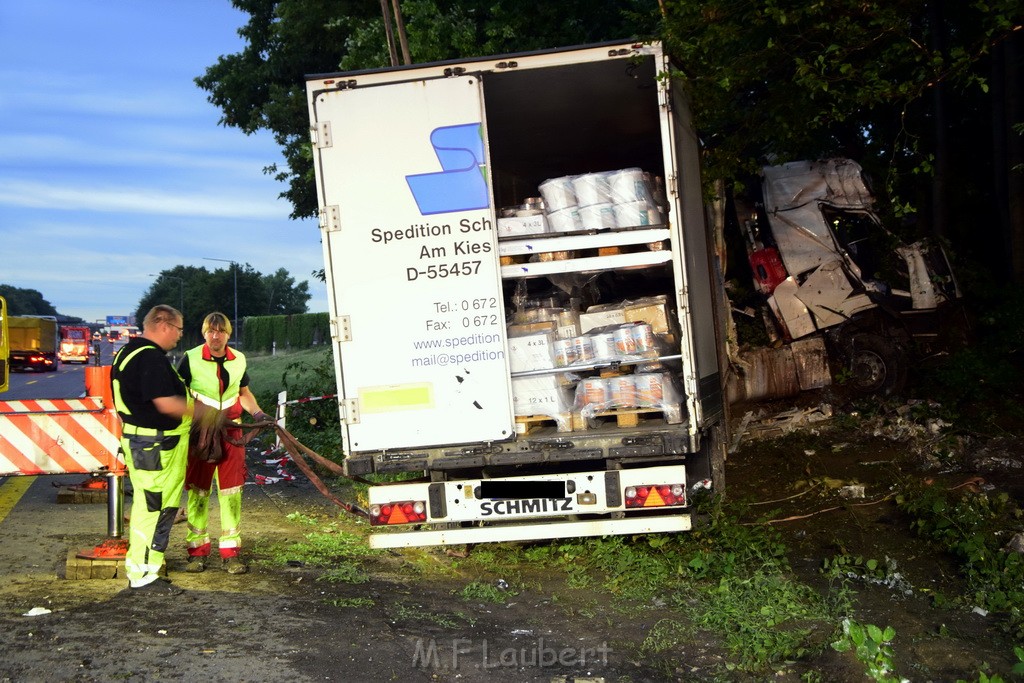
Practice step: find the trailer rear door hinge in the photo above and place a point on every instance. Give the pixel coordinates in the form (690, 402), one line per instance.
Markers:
(341, 328)
(320, 134)
(330, 218)
(349, 410)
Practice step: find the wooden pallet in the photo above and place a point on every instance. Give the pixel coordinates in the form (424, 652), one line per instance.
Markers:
(527, 423)
(628, 417)
(568, 255)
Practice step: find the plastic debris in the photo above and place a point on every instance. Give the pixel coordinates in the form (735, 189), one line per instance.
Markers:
(1016, 544)
(852, 491)
(36, 611)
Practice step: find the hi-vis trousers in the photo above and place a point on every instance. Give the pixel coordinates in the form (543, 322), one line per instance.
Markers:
(156, 467)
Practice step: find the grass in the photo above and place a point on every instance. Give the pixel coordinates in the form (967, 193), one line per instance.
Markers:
(339, 552)
(302, 374)
(725, 581)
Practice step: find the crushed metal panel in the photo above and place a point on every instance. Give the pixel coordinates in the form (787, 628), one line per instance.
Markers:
(923, 293)
(789, 309)
(811, 361)
(828, 293)
(792, 194)
(837, 182)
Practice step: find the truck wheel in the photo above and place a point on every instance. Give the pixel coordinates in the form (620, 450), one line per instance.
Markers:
(874, 365)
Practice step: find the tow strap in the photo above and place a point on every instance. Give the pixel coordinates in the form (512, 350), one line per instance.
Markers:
(296, 450)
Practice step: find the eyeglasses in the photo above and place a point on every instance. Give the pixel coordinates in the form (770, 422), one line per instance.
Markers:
(177, 327)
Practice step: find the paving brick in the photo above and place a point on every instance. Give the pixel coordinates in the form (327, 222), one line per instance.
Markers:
(69, 496)
(79, 568)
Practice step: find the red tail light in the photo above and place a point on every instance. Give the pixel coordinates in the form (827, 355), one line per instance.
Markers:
(655, 495)
(398, 512)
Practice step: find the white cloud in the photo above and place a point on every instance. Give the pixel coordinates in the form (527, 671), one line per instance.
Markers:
(141, 200)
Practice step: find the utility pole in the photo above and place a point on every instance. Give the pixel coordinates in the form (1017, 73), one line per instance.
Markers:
(234, 268)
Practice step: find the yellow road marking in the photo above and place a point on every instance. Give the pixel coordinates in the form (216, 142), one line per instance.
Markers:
(11, 492)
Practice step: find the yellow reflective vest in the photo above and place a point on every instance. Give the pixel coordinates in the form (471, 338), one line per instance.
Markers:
(205, 385)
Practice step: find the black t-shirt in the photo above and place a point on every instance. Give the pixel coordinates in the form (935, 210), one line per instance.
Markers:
(148, 375)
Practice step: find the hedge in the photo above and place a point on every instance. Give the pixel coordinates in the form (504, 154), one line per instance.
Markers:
(298, 331)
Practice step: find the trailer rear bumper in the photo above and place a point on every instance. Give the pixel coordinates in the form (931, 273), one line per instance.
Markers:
(534, 531)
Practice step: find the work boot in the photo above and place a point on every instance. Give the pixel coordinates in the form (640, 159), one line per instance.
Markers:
(234, 565)
(196, 564)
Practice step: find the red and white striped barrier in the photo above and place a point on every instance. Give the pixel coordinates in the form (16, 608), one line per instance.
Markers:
(59, 436)
(308, 399)
(281, 416)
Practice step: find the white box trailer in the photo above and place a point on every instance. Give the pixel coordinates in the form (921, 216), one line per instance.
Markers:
(416, 169)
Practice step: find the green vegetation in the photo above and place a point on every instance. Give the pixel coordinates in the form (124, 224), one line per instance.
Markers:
(351, 602)
(873, 648)
(412, 612)
(237, 290)
(339, 552)
(972, 527)
(303, 374)
(266, 333)
(498, 593)
(726, 580)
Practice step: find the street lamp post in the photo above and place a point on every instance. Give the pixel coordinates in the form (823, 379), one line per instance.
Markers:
(234, 269)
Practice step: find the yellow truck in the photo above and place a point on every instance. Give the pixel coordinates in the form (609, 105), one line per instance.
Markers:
(4, 370)
(33, 342)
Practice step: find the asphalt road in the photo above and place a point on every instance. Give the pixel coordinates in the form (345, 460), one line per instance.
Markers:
(68, 381)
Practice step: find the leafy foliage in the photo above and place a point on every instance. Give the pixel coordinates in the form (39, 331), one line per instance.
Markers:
(263, 86)
(970, 527)
(872, 646)
(26, 301)
(199, 291)
(285, 332)
(723, 577)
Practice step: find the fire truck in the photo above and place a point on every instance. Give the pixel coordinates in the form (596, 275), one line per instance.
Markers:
(74, 344)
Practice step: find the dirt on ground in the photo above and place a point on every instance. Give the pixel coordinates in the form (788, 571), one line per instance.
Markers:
(826, 487)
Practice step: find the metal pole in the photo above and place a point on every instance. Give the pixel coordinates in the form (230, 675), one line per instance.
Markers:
(234, 267)
(234, 325)
(115, 506)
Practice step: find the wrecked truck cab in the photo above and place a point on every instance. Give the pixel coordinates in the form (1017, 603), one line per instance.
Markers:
(833, 278)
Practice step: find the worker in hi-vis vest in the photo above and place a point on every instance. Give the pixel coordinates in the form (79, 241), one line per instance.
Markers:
(156, 414)
(216, 377)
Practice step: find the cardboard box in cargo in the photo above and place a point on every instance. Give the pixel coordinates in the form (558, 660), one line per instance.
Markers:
(651, 310)
(521, 226)
(531, 352)
(541, 395)
(602, 316)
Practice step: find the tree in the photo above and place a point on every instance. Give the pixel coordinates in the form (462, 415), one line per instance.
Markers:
(263, 87)
(199, 291)
(26, 301)
(903, 86)
(924, 93)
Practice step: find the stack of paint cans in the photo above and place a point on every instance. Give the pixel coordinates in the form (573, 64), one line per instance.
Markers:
(600, 201)
(618, 343)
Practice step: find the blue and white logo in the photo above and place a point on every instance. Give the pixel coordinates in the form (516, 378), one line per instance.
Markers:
(460, 185)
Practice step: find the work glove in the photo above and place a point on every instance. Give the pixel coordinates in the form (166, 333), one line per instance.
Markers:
(207, 433)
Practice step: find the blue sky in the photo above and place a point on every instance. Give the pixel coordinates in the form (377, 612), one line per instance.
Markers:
(113, 165)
